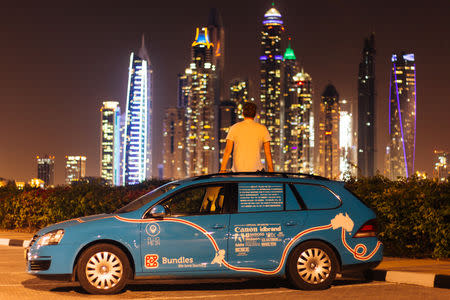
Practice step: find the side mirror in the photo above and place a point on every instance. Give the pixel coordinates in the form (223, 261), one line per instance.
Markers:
(158, 211)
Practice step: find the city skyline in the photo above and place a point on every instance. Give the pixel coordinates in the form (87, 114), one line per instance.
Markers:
(82, 94)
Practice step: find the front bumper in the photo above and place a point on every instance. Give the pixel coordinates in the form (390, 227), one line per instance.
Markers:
(50, 260)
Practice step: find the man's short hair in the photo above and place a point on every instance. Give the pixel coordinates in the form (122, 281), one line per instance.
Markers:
(249, 110)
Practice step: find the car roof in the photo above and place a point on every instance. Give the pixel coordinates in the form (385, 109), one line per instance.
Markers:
(259, 176)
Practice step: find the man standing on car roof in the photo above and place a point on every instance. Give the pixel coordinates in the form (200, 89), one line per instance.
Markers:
(245, 139)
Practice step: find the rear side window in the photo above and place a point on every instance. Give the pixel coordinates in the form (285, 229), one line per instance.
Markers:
(317, 197)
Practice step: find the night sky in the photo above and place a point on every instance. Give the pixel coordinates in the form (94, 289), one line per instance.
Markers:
(60, 60)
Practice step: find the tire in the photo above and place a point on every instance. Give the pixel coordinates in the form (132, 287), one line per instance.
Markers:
(103, 269)
(312, 266)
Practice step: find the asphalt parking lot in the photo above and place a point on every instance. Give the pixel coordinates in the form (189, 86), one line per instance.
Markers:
(16, 284)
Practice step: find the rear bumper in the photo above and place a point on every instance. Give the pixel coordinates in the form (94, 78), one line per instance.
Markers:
(359, 267)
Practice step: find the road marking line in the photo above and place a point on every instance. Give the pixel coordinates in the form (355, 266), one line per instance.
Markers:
(262, 293)
(362, 284)
(221, 295)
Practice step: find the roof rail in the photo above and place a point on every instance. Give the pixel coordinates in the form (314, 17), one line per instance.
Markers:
(261, 173)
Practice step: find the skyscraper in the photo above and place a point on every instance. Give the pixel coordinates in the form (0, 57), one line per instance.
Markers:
(290, 156)
(347, 145)
(270, 70)
(227, 117)
(216, 34)
(366, 109)
(201, 126)
(441, 171)
(174, 152)
(402, 116)
(239, 95)
(302, 118)
(137, 158)
(75, 168)
(46, 169)
(110, 142)
(183, 91)
(328, 156)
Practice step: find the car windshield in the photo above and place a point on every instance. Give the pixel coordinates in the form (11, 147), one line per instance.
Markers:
(144, 199)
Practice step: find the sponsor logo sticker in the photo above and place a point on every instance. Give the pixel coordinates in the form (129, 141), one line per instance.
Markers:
(151, 261)
(152, 229)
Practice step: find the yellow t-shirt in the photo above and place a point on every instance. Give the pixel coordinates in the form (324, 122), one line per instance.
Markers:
(248, 137)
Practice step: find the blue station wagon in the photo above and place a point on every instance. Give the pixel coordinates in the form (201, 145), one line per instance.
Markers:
(303, 227)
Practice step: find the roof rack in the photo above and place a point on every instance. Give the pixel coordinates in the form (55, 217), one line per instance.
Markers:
(261, 173)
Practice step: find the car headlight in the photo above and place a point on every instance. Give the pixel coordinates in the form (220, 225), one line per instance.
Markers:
(51, 238)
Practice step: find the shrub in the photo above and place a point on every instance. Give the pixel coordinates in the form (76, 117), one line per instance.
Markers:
(413, 213)
(36, 208)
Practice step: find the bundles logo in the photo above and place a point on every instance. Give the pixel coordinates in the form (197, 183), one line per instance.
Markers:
(180, 260)
(151, 261)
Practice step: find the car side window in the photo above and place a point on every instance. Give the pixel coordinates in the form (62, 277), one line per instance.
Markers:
(197, 200)
(292, 203)
(317, 197)
(260, 196)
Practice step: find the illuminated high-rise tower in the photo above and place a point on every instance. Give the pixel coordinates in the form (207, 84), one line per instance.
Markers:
(183, 91)
(137, 158)
(239, 95)
(75, 168)
(110, 142)
(270, 68)
(290, 115)
(302, 121)
(46, 169)
(216, 34)
(227, 117)
(441, 170)
(328, 155)
(174, 152)
(346, 140)
(201, 127)
(366, 109)
(402, 116)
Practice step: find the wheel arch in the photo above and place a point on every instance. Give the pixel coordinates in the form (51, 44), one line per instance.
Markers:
(336, 253)
(103, 241)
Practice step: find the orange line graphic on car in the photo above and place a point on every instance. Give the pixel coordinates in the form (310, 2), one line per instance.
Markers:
(359, 255)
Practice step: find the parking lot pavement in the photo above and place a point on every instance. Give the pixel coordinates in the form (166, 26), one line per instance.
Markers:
(16, 284)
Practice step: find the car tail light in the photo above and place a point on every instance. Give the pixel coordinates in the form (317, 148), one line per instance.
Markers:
(368, 229)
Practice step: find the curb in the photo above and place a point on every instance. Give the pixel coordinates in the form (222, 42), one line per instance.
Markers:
(15, 243)
(423, 279)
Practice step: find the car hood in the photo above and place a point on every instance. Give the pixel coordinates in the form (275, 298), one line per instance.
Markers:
(73, 222)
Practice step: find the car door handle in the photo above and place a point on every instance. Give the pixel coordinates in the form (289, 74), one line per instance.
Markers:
(217, 226)
(291, 223)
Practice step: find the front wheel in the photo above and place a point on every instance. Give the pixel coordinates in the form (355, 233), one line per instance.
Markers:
(312, 266)
(103, 269)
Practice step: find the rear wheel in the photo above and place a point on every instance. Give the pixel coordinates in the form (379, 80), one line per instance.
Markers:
(312, 266)
(103, 269)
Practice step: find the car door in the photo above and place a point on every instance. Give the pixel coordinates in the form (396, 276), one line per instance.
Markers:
(192, 236)
(268, 216)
